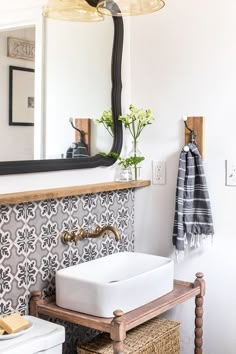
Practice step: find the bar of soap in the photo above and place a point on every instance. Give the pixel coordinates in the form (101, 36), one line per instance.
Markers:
(13, 323)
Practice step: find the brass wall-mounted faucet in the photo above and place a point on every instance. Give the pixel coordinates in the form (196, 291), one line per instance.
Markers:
(68, 237)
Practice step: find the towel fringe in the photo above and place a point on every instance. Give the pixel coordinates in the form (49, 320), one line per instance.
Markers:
(197, 240)
(179, 255)
(194, 241)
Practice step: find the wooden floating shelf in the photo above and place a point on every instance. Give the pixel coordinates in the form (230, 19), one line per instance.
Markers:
(30, 196)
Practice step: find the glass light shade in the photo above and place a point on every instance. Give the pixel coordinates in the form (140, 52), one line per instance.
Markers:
(129, 7)
(71, 10)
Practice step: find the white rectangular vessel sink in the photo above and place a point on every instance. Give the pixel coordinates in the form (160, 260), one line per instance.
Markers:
(122, 281)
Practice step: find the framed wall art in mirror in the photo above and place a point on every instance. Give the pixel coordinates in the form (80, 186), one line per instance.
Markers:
(17, 120)
(43, 158)
(21, 96)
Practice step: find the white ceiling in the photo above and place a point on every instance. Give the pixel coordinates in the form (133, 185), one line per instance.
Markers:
(15, 11)
(16, 4)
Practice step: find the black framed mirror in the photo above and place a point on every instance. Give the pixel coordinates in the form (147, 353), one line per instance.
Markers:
(30, 166)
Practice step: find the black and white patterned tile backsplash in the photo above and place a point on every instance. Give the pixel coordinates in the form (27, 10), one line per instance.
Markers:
(31, 250)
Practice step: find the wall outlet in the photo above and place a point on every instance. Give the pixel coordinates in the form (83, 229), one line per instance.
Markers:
(230, 173)
(158, 172)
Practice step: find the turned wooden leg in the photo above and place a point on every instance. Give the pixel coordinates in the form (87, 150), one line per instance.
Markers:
(118, 332)
(34, 300)
(199, 313)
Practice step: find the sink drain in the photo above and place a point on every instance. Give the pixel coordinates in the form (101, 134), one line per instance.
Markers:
(113, 281)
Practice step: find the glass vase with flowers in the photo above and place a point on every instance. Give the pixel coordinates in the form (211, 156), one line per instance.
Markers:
(135, 121)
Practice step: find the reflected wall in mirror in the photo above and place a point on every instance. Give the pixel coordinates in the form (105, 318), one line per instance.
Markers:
(16, 141)
(77, 82)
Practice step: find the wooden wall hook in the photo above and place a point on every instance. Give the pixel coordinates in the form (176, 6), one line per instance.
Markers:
(198, 125)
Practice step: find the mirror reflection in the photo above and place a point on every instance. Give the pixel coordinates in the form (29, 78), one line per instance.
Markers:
(76, 86)
(77, 83)
(17, 94)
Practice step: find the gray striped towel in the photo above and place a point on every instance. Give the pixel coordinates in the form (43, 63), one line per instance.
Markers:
(193, 218)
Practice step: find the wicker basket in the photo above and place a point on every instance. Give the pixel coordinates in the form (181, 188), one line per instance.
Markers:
(157, 336)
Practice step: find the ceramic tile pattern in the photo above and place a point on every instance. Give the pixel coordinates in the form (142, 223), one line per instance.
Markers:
(31, 251)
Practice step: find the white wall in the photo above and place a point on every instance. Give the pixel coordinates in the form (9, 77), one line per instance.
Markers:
(16, 142)
(183, 63)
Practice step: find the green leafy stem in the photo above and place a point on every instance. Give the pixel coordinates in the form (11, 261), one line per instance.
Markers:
(124, 162)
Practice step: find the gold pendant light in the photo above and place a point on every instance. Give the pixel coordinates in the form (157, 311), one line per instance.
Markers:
(71, 10)
(129, 7)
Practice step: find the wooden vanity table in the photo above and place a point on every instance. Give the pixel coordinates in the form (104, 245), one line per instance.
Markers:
(122, 323)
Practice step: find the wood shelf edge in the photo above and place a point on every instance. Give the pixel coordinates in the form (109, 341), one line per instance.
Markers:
(30, 196)
(52, 310)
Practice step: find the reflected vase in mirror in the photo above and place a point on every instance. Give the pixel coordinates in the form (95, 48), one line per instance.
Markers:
(128, 167)
(125, 174)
